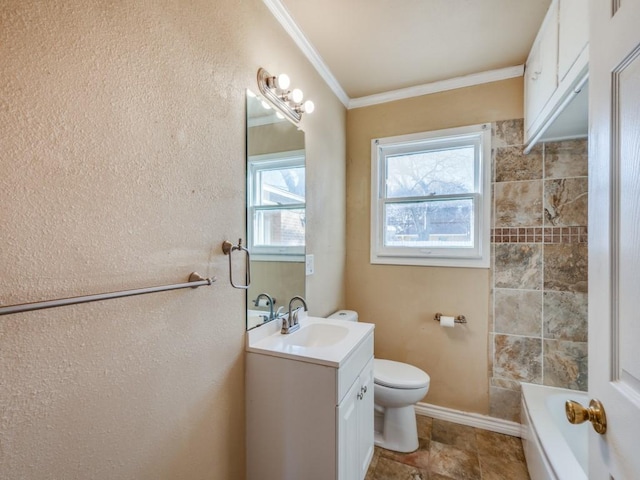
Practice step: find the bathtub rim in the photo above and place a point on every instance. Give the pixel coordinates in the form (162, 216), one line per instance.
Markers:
(553, 447)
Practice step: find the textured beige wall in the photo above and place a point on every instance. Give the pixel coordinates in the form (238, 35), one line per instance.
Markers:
(122, 165)
(402, 300)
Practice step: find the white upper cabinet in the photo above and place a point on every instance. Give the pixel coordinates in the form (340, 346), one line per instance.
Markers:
(556, 72)
(573, 33)
(541, 74)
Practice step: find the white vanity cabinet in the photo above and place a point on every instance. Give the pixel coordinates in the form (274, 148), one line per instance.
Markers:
(310, 420)
(556, 72)
(355, 427)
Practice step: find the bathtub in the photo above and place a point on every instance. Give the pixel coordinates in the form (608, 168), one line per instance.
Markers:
(554, 449)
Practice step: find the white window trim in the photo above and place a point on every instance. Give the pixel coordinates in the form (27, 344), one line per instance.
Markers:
(290, 158)
(443, 257)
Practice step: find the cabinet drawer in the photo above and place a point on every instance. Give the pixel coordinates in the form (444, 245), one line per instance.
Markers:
(348, 373)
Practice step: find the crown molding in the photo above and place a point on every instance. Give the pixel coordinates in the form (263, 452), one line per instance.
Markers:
(284, 17)
(441, 86)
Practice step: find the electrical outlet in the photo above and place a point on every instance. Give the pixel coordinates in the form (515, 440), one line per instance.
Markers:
(309, 267)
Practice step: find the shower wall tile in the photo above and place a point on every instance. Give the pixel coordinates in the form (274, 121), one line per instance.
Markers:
(511, 164)
(565, 201)
(540, 235)
(565, 364)
(538, 313)
(518, 358)
(507, 133)
(565, 267)
(491, 350)
(518, 266)
(505, 383)
(565, 316)
(566, 159)
(518, 312)
(493, 167)
(504, 404)
(518, 204)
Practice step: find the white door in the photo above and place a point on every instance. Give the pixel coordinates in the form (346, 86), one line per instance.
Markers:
(614, 235)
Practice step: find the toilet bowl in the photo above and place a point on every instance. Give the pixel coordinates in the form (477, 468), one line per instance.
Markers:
(397, 387)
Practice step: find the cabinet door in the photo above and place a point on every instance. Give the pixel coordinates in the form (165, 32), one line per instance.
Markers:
(573, 33)
(347, 419)
(542, 67)
(532, 105)
(365, 419)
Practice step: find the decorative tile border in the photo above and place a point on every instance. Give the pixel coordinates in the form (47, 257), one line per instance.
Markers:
(539, 235)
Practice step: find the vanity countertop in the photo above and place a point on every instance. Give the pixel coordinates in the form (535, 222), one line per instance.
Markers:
(321, 341)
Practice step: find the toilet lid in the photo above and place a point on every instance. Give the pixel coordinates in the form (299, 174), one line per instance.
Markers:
(398, 375)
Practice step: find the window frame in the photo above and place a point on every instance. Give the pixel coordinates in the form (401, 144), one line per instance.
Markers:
(256, 164)
(382, 148)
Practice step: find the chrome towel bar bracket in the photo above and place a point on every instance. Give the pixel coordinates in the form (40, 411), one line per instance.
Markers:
(228, 248)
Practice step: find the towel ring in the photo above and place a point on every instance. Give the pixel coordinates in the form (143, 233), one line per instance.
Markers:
(228, 248)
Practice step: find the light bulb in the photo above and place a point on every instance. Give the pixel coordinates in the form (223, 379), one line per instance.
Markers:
(283, 81)
(297, 95)
(280, 116)
(309, 107)
(265, 105)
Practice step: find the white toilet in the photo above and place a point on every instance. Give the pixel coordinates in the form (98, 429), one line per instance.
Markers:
(397, 387)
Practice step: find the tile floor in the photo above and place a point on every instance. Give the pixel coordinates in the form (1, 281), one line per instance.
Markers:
(448, 451)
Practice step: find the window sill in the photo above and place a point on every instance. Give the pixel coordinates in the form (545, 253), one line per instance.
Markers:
(432, 262)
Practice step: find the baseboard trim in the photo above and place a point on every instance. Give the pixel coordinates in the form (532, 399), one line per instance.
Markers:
(476, 420)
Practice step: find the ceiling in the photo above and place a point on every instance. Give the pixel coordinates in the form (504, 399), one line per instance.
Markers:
(371, 47)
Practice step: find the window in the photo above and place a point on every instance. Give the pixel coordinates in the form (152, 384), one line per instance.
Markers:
(276, 213)
(430, 198)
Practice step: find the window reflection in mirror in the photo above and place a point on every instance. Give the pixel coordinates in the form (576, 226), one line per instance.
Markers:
(275, 211)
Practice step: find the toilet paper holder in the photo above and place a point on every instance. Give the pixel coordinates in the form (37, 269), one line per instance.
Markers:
(458, 319)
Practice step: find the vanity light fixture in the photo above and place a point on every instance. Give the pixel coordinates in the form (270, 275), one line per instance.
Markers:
(289, 102)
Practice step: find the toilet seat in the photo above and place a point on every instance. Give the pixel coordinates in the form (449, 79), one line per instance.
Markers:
(398, 375)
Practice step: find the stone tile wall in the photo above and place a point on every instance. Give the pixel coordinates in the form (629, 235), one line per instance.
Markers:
(539, 267)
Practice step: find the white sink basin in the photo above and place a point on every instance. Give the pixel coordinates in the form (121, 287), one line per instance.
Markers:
(317, 335)
(319, 340)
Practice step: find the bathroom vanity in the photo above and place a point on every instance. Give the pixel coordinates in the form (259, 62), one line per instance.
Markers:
(310, 401)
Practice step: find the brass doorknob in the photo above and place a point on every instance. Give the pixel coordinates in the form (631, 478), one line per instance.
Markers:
(576, 414)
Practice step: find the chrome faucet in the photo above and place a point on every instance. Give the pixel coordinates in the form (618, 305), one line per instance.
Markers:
(290, 322)
(269, 300)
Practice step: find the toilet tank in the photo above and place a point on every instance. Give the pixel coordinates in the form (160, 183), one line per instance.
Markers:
(347, 315)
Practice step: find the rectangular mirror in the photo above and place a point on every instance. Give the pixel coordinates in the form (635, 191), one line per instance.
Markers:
(276, 211)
